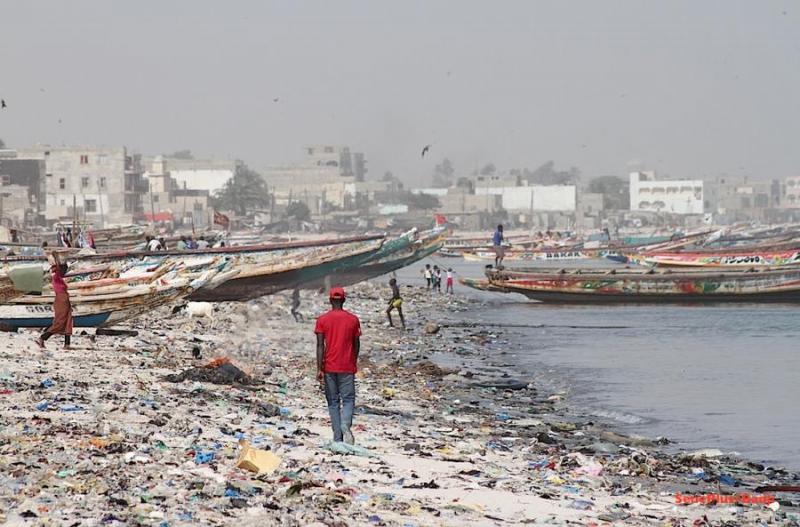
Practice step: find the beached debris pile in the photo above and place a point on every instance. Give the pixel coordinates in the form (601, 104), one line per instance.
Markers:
(123, 445)
(218, 371)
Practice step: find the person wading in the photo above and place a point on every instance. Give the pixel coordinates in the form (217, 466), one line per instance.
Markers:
(497, 243)
(396, 302)
(62, 309)
(338, 345)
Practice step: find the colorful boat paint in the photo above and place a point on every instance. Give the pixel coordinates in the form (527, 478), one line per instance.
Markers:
(722, 259)
(636, 286)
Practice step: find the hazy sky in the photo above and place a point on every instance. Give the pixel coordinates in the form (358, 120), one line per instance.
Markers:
(690, 88)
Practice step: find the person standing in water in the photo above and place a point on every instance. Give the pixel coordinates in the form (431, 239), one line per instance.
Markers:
(428, 274)
(62, 309)
(396, 302)
(497, 243)
(338, 345)
(437, 279)
(449, 287)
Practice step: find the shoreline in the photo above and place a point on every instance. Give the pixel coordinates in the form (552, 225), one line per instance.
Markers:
(474, 446)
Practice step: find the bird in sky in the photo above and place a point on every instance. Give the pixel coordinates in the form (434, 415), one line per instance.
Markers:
(3, 103)
(425, 150)
(276, 99)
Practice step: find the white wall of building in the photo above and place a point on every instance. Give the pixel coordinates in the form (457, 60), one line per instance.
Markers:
(201, 179)
(555, 198)
(678, 197)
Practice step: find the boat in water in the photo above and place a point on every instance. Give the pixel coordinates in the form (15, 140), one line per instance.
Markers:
(650, 285)
(745, 258)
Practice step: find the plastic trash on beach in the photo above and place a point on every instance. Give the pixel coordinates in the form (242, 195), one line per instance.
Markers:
(338, 447)
(256, 460)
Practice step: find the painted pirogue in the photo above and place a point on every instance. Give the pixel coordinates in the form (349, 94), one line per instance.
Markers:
(634, 286)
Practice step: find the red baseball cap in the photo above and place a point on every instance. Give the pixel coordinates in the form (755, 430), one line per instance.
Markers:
(337, 292)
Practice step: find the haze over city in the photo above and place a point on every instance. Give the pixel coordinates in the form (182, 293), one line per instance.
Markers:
(690, 89)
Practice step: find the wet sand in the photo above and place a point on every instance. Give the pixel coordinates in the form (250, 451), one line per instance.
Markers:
(97, 435)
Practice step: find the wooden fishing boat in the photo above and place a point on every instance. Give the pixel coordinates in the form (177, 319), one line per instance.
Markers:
(739, 258)
(243, 250)
(640, 285)
(258, 278)
(539, 255)
(98, 310)
(427, 244)
(482, 285)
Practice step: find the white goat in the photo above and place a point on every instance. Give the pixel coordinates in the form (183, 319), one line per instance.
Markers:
(200, 310)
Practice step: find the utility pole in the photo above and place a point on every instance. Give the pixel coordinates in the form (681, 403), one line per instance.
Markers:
(100, 200)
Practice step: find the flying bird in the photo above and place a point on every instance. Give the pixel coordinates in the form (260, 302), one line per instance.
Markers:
(3, 103)
(425, 150)
(276, 99)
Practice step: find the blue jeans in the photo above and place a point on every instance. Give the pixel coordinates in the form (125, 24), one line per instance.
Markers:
(340, 388)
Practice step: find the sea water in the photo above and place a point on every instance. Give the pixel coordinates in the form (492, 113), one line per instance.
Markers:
(722, 376)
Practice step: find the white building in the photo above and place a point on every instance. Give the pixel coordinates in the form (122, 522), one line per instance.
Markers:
(200, 174)
(684, 196)
(539, 198)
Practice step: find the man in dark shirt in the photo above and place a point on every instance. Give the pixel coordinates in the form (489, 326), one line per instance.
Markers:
(338, 345)
(497, 243)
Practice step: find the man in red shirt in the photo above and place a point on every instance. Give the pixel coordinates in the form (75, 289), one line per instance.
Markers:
(338, 344)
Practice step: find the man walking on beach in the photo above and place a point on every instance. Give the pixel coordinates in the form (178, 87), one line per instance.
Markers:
(396, 302)
(497, 243)
(338, 345)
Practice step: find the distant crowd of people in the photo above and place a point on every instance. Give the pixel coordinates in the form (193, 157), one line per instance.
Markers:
(433, 278)
(185, 243)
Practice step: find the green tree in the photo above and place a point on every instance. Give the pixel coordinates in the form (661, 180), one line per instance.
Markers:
(488, 170)
(420, 201)
(182, 154)
(298, 210)
(443, 174)
(615, 191)
(244, 191)
(548, 175)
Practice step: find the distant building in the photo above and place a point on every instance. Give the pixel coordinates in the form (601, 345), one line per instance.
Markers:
(537, 198)
(170, 201)
(791, 192)
(328, 177)
(95, 184)
(199, 174)
(672, 196)
(21, 190)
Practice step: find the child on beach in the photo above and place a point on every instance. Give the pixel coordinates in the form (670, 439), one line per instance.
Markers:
(396, 302)
(437, 279)
(449, 287)
(428, 274)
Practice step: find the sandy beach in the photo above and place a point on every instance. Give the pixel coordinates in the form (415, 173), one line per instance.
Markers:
(446, 434)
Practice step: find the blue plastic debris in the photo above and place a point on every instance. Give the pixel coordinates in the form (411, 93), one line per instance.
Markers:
(582, 505)
(47, 383)
(43, 405)
(71, 408)
(203, 457)
(726, 479)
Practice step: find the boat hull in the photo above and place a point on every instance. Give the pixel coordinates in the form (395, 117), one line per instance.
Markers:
(248, 287)
(782, 285)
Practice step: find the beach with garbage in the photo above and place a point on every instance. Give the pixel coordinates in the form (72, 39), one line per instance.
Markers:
(198, 421)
